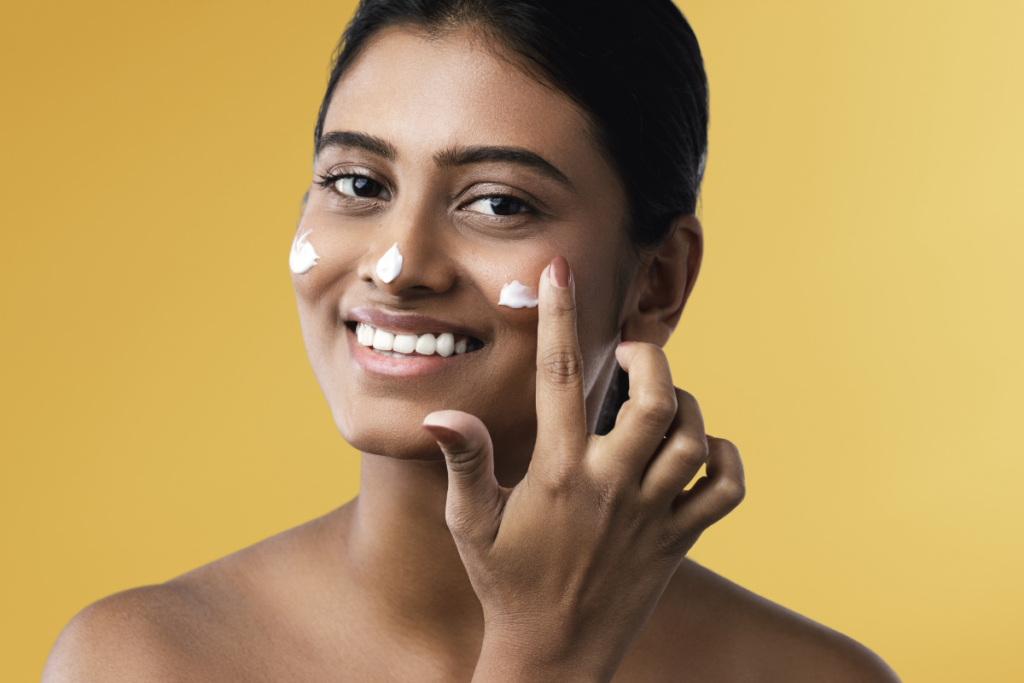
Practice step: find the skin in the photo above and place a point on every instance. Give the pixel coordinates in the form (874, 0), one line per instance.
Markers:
(493, 537)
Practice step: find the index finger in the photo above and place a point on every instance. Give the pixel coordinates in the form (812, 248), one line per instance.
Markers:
(561, 412)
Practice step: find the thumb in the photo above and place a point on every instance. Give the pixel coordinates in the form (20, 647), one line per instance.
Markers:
(473, 507)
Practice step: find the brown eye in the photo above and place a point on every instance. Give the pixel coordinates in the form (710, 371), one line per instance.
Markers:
(498, 206)
(360, 186)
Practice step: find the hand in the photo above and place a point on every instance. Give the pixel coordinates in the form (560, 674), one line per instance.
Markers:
(569, 564)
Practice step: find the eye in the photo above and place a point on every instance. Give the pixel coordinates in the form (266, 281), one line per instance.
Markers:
(498, 206)
(360, 186)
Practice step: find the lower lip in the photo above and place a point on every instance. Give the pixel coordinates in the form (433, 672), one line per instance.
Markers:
(413, 366)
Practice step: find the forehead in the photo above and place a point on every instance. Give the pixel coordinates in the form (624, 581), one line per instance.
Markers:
(423, 95)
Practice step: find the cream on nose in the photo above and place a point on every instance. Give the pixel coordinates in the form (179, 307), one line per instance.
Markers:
(390, 264)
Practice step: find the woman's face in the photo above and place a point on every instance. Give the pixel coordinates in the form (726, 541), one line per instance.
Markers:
(481, 175)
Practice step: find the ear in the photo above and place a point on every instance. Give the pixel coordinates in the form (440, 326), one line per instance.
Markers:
(663, 283)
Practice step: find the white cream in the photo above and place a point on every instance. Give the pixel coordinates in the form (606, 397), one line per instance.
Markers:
(390, 264)
(302, 256)
(517, 295)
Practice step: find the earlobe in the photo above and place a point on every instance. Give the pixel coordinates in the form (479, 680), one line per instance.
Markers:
(664, 282)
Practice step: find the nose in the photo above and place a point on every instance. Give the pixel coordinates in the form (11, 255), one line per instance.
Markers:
(416, 241)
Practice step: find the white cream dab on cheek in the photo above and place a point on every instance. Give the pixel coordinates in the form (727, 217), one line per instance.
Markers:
(390, 264)
(302, 256)
(517, 295)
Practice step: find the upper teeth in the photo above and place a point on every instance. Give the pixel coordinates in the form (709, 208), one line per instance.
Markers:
(443, 344)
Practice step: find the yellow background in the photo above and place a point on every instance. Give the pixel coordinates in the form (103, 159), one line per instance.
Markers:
(857, 327)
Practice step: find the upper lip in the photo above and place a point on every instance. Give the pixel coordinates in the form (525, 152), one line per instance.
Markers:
(410, 323)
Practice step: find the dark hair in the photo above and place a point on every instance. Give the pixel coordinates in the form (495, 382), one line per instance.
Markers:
(634, 68)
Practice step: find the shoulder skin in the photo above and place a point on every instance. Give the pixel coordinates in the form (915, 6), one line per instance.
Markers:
(715, 630)
(140, 635)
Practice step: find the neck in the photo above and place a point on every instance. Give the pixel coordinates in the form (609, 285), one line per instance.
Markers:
(401, 551)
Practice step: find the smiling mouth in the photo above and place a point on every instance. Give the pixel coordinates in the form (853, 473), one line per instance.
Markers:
(406, 345)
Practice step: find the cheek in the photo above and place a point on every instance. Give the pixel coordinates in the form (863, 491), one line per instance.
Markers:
(595, 271)
(337, 258)
(494, 270)
(597, 301)
(318, 293)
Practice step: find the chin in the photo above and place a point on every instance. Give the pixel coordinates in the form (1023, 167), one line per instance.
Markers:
(394, 429)
(397, 436)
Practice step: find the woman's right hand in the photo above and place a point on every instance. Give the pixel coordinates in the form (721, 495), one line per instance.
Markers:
(569, 564)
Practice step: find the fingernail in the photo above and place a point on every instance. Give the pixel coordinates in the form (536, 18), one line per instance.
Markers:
(626, 343)
(443, 435)
(559, 272)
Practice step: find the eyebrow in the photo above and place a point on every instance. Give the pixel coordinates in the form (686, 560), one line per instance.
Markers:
(449, 158)
(461, 156)
(368, 143)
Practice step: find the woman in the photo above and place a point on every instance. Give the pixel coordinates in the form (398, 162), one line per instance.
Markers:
(501, 217)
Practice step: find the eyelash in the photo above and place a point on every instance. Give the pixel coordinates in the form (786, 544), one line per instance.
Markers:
(328, 181)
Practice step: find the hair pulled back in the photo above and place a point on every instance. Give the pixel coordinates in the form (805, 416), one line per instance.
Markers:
(634, 68)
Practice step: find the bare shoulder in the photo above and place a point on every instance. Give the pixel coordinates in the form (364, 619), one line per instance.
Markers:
(138, 635)
(194, 627)
(733, 634)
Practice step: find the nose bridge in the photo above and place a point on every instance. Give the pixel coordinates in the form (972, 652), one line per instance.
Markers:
(418, 235)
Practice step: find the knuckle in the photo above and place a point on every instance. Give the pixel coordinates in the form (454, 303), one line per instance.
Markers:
(657, 407)
(693, 450)
(560, 479)
(562, 306)
(685, 396)
(729, 446)
(687, 399)
(731, 492)
(562, 365)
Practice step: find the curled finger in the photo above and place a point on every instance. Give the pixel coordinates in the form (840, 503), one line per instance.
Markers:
(645, 418)
(715, 495)
(681, 454)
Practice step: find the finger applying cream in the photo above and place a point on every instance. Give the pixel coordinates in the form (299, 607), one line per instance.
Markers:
(302, 256)
(517, 295)
(390, 264)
